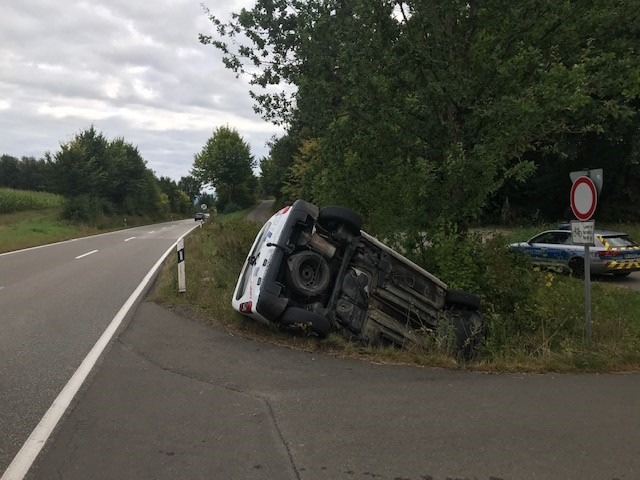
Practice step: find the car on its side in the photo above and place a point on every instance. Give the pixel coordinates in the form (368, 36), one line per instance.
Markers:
(316, 269)
(612, 252)
(199, 216)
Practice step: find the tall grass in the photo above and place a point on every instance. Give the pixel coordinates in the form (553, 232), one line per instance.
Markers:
(12, 200)
(535, 319)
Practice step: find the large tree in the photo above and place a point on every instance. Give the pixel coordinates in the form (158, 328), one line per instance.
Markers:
(421, 111)
(226, 164)
(102, 176)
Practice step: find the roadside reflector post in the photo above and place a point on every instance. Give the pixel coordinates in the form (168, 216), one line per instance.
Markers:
(181, 277)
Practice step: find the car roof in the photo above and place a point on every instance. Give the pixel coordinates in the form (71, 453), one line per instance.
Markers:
(602, 233)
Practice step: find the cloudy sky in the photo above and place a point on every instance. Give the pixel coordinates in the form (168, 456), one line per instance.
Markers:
(132, 68)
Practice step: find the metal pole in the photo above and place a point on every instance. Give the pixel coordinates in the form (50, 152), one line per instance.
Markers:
(587, 291)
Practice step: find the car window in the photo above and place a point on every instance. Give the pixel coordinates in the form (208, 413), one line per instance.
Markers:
(620, 241)
(249, 266)
(553, 238)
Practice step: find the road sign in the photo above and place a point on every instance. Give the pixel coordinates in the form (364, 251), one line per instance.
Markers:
(584, 198)
(582, 232)
(203, 206)
(595, 174)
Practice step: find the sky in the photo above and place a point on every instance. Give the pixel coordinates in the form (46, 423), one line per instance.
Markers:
(133, 69)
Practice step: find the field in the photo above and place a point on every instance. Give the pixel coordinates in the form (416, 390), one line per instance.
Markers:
(12, 201)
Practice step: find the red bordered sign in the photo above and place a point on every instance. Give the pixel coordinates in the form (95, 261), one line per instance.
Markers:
(584, 198)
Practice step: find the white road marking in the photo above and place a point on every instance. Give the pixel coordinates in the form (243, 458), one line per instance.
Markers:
(130, 238)
(22, 462)
(152, 231)
(86, 254)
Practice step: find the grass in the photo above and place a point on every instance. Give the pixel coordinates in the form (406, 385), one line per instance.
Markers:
(544, 334)
(37, 227)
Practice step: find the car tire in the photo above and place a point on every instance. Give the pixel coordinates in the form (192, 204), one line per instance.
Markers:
(576, 266)
(307, 273)
(299, 317)
(332, 217)
(621, 274)
(460, 298)
(469, 328)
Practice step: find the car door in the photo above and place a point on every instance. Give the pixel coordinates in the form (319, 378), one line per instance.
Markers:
(551, 249)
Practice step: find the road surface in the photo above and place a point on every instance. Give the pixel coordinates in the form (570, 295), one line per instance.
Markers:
(56, 301)
(175, 398)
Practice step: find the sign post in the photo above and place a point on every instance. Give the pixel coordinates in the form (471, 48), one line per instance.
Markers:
(584, 199)
(181, 274)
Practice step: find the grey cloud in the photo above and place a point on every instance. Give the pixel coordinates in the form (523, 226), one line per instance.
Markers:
(137, 66)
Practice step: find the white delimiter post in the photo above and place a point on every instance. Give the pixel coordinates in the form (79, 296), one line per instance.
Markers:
(181, 280)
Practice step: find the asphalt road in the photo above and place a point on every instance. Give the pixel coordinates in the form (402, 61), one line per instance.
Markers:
(178, 399)
(56, 301)
(174, 398)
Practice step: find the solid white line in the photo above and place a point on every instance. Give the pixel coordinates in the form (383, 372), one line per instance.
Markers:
(26, 456)
(86, 254)
(130, 238)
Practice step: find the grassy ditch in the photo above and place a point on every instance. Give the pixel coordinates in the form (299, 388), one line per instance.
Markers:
(535, 319)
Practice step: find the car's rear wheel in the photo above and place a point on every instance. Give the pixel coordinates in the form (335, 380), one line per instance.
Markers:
(307, 273)
(301, 318)
(576, 265)
(621, 274)
(332, 217)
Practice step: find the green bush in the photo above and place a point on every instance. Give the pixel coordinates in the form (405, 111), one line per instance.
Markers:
(231, 208)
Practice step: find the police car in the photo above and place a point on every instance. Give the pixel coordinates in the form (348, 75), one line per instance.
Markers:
(316, 269)
(611, 252)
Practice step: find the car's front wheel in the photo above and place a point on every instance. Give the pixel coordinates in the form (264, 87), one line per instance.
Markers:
(576, 265)
(469, 330)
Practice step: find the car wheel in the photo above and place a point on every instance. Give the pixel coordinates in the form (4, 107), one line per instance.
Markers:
(576, 265)
(462, 299)
(299, 317)
(307, 273)
(332, 217)
(621, 274)
(469, 329)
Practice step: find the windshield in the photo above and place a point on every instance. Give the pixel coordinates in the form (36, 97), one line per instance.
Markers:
(620, 241)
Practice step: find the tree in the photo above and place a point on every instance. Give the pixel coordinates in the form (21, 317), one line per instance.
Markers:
(226, 164)
(99, 176)
(426, 112)
(190, 186)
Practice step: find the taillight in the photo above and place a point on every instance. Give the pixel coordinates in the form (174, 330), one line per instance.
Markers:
(245, 307)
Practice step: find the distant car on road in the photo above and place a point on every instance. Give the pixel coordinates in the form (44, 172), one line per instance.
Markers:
(314, 268)
(199, 216)
(611, 252)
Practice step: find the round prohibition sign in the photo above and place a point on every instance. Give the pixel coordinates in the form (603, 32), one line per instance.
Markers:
(584, 198)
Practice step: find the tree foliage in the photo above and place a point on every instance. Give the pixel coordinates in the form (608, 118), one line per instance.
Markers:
(426, 112)
(99, 176)
(225, 163)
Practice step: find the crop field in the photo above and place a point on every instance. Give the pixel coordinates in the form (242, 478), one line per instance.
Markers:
(12, 201)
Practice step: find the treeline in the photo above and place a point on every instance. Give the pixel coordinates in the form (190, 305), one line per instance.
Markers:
(100, 177)
(423, 114)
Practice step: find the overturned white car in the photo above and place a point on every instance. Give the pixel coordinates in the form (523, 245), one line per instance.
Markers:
(314, 268)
